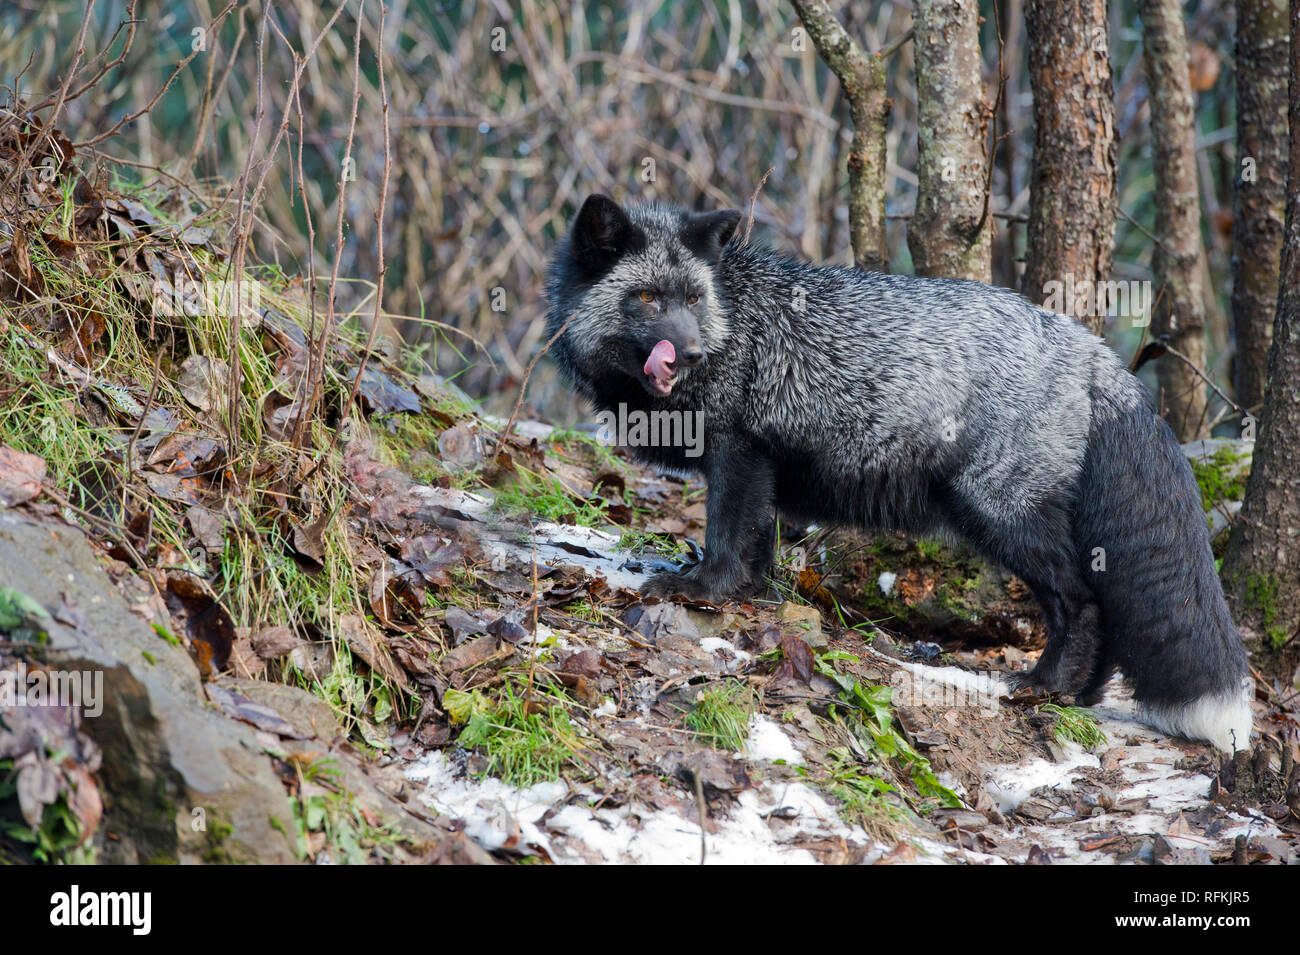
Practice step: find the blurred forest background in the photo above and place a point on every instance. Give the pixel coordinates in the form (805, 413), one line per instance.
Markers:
(505, 115)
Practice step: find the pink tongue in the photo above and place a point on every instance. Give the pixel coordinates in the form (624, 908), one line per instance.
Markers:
(659, 365)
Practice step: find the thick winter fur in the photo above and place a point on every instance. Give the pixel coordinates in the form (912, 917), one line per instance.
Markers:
(893, 402)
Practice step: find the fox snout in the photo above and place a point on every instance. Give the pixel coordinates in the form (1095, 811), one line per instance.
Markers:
(682, 328)
(677, 345)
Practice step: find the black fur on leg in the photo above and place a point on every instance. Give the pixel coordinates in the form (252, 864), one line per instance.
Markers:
(739, 533)
(1038, 549)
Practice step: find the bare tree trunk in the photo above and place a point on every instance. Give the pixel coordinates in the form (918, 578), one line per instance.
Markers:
(1259, 199)
(1010, 13)
(862, 76)
(1262, 566)
(951, 229)
(1073, 190)
(1180, 308)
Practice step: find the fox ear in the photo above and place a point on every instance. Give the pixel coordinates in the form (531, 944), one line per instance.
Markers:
(705, 233)
(602, 232)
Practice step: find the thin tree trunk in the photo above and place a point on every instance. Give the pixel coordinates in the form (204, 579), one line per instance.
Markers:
(1259, 198)
(1262, 566)
(862, 75)
(1073, 190)
(1180, 308)
(950, 233)
(1006, 270)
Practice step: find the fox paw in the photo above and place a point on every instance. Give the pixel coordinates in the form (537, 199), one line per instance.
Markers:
(690, 586)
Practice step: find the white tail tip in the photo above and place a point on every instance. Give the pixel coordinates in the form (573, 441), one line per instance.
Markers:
(1224, 721)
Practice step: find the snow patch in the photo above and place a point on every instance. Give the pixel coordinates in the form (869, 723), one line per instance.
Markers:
(768, 741)
(1009, 786)
(764, 826)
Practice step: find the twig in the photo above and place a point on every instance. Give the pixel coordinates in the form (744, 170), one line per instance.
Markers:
(139, 425)
(244, 227)
(896, 44)
(117, 61)
(993, 121)
(1139, 226)
(1204, 377)
(129, 117)
(107, 527)
(523, 385)
(753, 201)
(48, 127)
(379, 218)
(316, 354)
(702, 808)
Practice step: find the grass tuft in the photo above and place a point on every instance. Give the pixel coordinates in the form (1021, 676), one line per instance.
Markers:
(1076, 725)
(720, 716)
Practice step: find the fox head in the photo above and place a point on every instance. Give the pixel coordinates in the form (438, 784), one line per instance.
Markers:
(638, 283)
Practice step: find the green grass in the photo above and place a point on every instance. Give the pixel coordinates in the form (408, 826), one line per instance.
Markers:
(865, 800)
(547, 498)
(602, 454)
(77, 408)
(638, 542)
(867, 713)
(1075, 725)
(720, 715)
(330, 809)
(524, 743)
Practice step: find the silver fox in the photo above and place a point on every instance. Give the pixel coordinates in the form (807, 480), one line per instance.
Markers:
(931, 406)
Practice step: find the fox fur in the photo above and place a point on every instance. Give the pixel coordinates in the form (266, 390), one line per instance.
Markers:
(932, 406)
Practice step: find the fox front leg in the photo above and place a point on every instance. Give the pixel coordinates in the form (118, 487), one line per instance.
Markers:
(742, 486)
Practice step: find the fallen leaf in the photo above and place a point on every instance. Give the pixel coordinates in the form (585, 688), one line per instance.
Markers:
(203, 381)
(271, 643)
(796, 661)
(364, 640)
(235, 704)
(20, 476)
(208, 526)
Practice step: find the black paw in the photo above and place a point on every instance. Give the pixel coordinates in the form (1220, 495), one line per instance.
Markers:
(1041, 684)
(685, 585)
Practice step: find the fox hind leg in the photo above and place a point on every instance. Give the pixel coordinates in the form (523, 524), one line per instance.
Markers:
(1036, 548)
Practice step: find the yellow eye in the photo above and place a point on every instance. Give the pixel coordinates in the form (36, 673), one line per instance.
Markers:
(647, 297)
(694, 299)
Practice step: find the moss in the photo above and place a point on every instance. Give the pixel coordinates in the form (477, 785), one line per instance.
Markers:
(1261, 594)
(930, 550)
(1217, 479)
(216, 852)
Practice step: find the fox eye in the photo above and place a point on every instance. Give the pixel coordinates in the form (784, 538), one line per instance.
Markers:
(647, 296)
(692, 300)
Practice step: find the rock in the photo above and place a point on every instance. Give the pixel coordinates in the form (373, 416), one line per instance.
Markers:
(1225, 460)
(182, 782)
(804, 622)
(309, 715)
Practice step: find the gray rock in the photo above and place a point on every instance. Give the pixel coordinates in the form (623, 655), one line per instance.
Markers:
(181, 782)
(1243, 451)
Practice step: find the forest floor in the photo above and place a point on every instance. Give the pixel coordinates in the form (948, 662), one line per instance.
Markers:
(460, 606)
